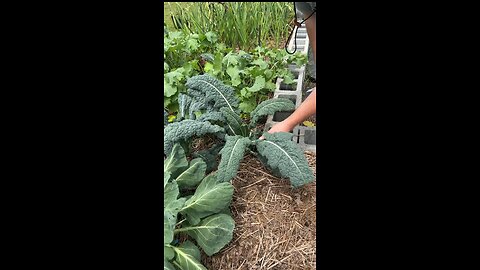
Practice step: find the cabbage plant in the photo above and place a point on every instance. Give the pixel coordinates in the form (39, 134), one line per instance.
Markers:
(204, 215)
(219, 115)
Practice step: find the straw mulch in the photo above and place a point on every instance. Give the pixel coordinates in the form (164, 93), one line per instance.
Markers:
(275, 224)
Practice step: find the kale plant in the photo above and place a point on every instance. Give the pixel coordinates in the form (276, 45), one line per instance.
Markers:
(203, 214)
(220, 111)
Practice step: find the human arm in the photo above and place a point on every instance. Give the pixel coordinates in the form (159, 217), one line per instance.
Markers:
(305, 110)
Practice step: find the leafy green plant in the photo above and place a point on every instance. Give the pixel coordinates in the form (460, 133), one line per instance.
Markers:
(203, 213)
(253, 76)
(243, 25)
(277, 151)
(184, 56)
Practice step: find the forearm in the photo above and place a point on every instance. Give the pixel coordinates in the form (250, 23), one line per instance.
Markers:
(305, 110)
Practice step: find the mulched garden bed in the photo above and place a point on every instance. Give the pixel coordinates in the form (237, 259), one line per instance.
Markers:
(275, 224)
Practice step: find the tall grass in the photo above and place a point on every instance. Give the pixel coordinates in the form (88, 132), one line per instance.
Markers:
(243, 25)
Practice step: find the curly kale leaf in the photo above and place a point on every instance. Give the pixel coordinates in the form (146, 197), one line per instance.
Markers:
(214, 91)
(271, 106)
(187, 129)
(232, 153)
(285, 157)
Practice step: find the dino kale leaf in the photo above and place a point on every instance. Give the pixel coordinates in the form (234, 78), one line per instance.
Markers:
(212, 233)
(212, 117)
(214, 91)
(190, 105)
(284, 156)
(185, 130)
(209, 198)
(232, 153)
(271, 106)
(234, 122)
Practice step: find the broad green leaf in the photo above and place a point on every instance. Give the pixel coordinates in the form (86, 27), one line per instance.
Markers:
(270, 86)
(258, 85)
(193, 175)
(232, 153)
(168, 253)
(168, 227)
(211, 36)
(166, 177)
(176, 160)
(191, 248)
(234, 74)
(268, 74)
(288, 78)
(168, 89)
(165, 67)
(230, 59)
(186, 260)
(170, 213)
(248, 105)
(286, 157)
(170, 193)
(208, 67)
(192, 45)
(167, 265)
(212, 233)
(260, 62)
(210, 197)
(217, 63)
(269, 107)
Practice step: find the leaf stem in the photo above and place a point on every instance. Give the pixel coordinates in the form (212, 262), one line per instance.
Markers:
(182, 230)
(180, 222)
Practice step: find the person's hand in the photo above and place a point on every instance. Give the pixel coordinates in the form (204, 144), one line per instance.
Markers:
(280, 127)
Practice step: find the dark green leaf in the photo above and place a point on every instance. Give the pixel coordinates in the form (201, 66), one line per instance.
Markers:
(210, 197)
(212, 233)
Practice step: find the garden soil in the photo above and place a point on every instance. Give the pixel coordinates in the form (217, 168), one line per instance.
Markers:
(275, 224)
